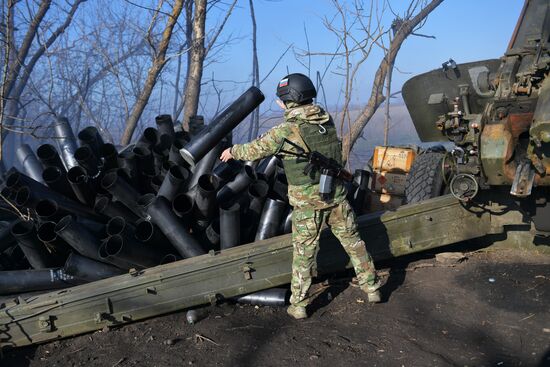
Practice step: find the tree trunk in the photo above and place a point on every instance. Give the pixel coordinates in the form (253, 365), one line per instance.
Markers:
(23, 51)
(377, 96)
(255, 117)
(158, 64)
(196, 55)
(179, 102)
(387, 105)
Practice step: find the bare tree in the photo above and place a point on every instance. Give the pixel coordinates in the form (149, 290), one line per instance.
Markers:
(407, 26)
(200, 48)
(21, 60)
(359, 29)
(195, 64)
(159, 61)
(255, 117)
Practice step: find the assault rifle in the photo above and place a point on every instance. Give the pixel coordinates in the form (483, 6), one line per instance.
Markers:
(328, 168)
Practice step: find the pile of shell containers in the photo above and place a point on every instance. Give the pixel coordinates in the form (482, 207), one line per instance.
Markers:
(85, 210)
(390, 167)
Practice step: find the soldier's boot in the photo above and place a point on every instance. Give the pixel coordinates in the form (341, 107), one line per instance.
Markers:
(298, 312)
(373, 292)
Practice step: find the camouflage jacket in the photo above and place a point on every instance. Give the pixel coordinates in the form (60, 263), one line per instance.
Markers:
(272, 141)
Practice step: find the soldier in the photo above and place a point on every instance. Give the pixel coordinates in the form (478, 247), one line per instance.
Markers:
(310, 127)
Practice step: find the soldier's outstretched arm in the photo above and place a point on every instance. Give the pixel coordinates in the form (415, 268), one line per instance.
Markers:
(266, 145)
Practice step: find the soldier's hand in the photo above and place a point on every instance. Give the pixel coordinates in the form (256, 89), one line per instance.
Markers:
(226, 155)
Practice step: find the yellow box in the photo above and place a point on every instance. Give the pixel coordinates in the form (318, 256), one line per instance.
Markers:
(389, 183)
(393, 159)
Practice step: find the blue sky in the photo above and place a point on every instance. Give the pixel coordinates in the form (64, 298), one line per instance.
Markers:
(465, 30)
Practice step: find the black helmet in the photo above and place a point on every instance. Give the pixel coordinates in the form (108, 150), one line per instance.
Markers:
(296, 88)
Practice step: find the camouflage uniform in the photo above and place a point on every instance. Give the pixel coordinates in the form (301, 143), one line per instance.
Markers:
(309, 210)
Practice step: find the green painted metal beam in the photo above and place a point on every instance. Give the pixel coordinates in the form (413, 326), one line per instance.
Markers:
(240, 270)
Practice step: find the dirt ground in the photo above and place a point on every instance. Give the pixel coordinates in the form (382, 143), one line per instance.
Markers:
(488, 309)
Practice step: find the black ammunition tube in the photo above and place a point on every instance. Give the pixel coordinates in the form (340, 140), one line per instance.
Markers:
(81, 186)
(109, 156)
(162, 215)
(239, 184)
(199, 225)
(56, 179)
(127, 160)
(66, 141)
(271, 218)
(145, 167)
(135, 254)
(274, 297)
(89, 270)
(122, 192)
(163, 145)
(78, 237)
(262, 177)
(149, 138)
(89, 136)
(166, 167)
(144, 201)
(24, 199)
(119, 226)
(107, 207)
(55, 244)
(47, 210)
(6, 212)
(160, 151)
(13, 258)
(212, 234)
(221, 125)
(204, 166)
(6, 238)
(32, 191)
(257, 192)
(226, 171)
(165, 126)
(183, 206)
(173, 182)
(206, 205)
(268, 166)
(86, 158)
(46, 232)
(149, 234)
(22, 281)
(34, 250)
(286, 225)
(159, 157)
(174, 154)
(279, 188)
(9, 193)
(47, 154)
(155, 183)
(230, 234)
(29, 162)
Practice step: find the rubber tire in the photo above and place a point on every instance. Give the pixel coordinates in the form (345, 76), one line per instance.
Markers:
(425, 180)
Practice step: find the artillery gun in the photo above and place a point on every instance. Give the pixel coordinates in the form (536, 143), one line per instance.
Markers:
(496, 114)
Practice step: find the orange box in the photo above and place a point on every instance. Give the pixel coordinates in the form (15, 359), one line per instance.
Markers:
(389, 183)
(393, 159)
(382, 202)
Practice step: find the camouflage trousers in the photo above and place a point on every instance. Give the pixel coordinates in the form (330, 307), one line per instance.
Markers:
(306, 228)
